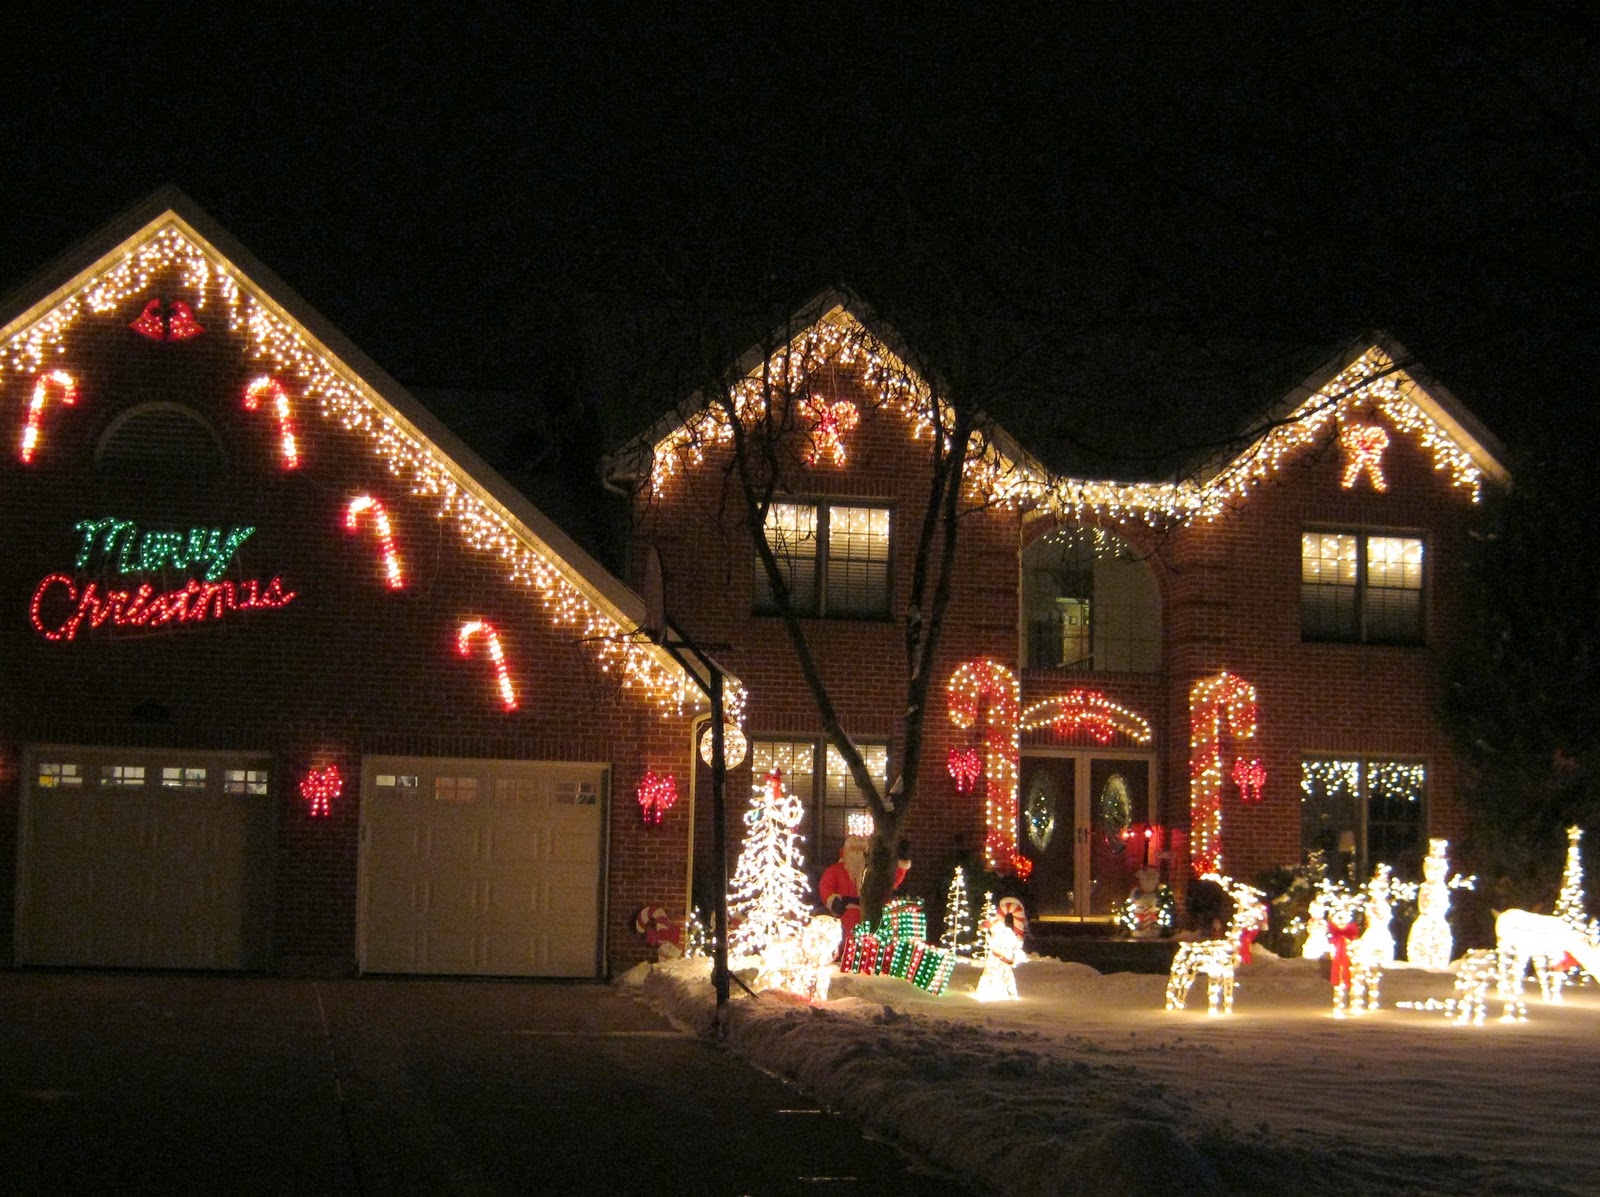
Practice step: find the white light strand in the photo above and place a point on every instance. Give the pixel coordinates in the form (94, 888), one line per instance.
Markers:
(482, 527)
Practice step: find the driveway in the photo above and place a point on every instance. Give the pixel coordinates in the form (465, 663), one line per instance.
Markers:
(183, 1083)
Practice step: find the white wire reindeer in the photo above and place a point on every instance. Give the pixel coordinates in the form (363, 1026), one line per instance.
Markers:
(1216, 959)
(1543, 940)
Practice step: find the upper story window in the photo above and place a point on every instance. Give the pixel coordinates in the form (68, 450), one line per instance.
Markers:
(834, 558)
(161, 438)
(1089, 602)
(1361, 589)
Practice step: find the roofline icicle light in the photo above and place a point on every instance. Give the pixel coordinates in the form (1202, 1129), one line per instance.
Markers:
(317, 376)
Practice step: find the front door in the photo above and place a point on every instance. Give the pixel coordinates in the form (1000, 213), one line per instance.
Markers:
(1074, 808)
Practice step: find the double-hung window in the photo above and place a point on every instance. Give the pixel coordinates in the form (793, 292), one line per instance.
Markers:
(1362, 811)
(833, 557)
(828, 798)
(1361, 588)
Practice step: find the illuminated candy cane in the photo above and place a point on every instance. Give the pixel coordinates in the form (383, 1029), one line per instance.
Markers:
(478, 627)
(989, 687)
(1224, 702)
(365, 504)
(266, 387)
(58, 380)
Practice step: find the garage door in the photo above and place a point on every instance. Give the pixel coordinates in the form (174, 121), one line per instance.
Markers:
(144, 858)
(481, 867)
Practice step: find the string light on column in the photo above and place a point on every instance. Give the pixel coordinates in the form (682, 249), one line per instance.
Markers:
(988, 690)
(1224, 703)
(378, 516)
(480, 629)
(64, 387)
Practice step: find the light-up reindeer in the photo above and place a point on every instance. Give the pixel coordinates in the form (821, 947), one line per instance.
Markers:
(1217, 959)
(1545, 941)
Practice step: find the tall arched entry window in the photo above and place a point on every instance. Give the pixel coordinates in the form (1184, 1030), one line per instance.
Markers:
(1090, 603)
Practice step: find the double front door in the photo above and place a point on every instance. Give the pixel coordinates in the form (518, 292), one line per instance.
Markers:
(1080, 813)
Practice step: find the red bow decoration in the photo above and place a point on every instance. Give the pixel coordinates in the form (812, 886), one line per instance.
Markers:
(1339, 936)
(1246, 938)
(965, 765)
(177, 324)
(1250, 776)
(319, 788)
(657, 795)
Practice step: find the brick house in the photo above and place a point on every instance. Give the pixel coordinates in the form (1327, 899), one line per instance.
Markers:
(1226, 672)
(291, 679)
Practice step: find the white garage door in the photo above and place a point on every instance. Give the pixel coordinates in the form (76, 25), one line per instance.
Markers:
(481, 867)
(144, 858)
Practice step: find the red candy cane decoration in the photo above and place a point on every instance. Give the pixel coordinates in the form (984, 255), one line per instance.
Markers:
(989, 688)
(379, 516)
(1224, 702)
(479, 627)
(55, 380)
(270, 388)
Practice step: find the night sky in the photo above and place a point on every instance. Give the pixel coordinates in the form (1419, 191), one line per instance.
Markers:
(1155, 218)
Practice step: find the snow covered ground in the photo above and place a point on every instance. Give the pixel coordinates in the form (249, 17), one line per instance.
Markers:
(1087, 1085)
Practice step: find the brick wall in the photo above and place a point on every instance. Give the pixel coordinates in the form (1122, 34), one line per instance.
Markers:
(349, 667)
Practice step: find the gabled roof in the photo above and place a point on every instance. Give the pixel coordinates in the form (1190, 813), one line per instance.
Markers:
(169, 233)
(1372, 374)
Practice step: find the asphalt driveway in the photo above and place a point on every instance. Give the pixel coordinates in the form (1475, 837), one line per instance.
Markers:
(182, 1083)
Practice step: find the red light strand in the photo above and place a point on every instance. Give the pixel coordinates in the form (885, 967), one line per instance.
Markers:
(269, 388)
(476, 628)
(1225, 702)
(144, 608)
(378, 515)
(66, 388)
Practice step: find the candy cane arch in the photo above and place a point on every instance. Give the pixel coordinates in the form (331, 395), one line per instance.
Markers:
(268, 388)
(66, 388)
(989, 688)
(1225, 702)
(478, 627)
(378, 515)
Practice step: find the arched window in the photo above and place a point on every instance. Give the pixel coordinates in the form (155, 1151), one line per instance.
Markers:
(161, 438)
(1090, 603)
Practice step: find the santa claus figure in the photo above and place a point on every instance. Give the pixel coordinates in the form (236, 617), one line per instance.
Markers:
(840, 886)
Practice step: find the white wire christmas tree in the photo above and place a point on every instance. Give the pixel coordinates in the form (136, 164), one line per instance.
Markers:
(1571, 904)
(769, 892)
(958, 935)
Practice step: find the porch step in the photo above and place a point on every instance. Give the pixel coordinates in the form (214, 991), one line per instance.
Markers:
(1106, 954)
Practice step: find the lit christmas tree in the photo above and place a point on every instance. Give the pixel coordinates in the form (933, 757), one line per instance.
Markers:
(1571, 905)
(769, 893)
(980, 946)
(958, 935)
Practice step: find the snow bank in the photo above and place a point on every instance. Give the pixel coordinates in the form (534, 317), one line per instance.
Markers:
(1087, 1085)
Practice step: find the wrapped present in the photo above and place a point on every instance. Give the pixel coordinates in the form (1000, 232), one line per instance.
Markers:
(931, 969)
(863, 953)
(904, 918)
(898, 958)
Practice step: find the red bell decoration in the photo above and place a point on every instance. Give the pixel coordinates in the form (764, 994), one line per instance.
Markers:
(657, 794)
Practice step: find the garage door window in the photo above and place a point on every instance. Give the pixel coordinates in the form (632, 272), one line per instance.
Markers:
(398, 783)
(122, 777)
(244, 781)
(177, 777)
(455, 789)
(57, 774)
